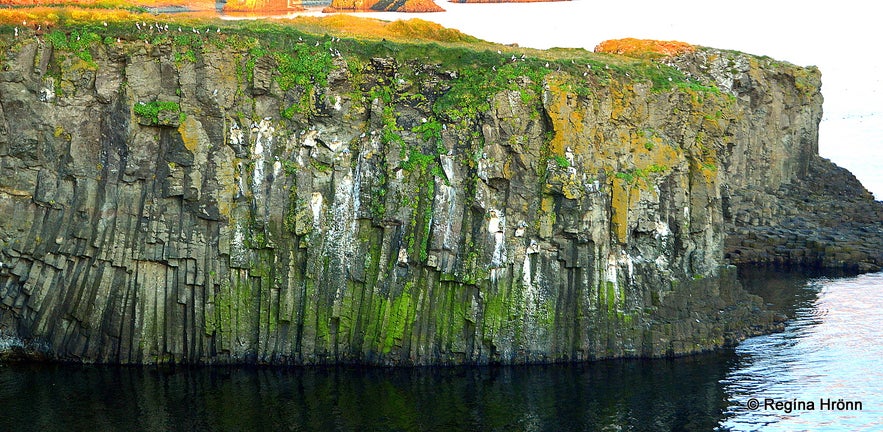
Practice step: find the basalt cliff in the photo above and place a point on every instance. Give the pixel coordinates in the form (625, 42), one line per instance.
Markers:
(227, 195)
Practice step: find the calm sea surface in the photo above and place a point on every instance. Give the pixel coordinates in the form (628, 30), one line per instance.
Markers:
(830, 350)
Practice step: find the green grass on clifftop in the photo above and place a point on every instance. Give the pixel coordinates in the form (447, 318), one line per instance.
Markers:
(354, 37)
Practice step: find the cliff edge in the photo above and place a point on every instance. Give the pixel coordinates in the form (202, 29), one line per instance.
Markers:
(265, 195)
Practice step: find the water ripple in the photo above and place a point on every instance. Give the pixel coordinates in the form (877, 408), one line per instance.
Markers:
(829, 350)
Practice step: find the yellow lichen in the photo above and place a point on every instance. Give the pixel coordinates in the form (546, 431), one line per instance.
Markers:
(567, 120)
(619, 203)
(189, 133)
(547, 216)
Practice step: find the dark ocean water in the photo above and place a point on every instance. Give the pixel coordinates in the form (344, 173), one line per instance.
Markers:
(831, 349)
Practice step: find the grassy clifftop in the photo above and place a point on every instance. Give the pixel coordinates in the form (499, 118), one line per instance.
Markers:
(361, 37)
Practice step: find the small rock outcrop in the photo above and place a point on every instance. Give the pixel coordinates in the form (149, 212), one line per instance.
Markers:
(383, 6)
(251, 199)
(825, 219)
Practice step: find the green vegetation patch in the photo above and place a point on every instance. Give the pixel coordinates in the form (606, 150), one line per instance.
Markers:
(472, 91)
(158, 112)
(561, 161)
(303, 66)
(78, 42)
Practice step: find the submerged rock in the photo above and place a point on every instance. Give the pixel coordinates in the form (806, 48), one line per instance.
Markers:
(308, 204)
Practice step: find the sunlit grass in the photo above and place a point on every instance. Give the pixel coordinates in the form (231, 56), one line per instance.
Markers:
(263, 6)
(361, 39)
(195, 5)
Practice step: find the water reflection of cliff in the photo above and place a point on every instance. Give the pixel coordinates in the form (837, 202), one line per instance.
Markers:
(679, 394)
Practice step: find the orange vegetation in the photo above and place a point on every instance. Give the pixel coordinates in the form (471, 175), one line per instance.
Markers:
(195, 5)
(644, 47)
(342, 25)
(411, 30)
(384, 6)
(262, 6)
(45, 16)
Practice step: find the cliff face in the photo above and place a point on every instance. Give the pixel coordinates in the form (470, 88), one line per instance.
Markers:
(190, 201)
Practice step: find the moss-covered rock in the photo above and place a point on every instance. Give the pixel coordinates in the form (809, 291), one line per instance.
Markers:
(289, 198)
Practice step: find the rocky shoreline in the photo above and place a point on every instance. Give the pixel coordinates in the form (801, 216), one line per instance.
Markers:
(826, 219)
